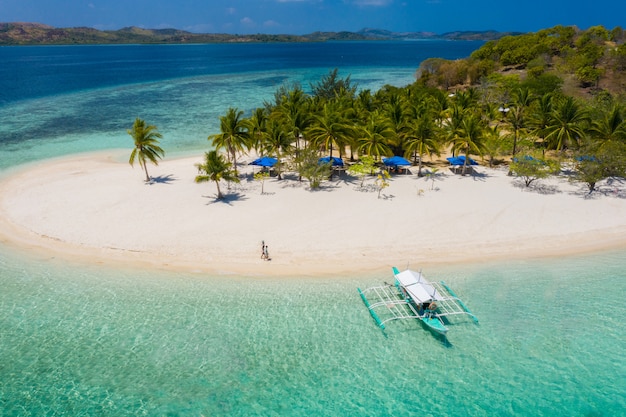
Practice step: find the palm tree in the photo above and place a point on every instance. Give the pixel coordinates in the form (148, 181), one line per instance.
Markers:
(292, 113)
(375, 136)
(470, 139)
(330, 127)
(421, 139)
(396, 113)
(256, 125)
(609, 128)
(541, 117)
(276, 141)
(492, 111)
(517, 123)
(364, 102)
(467, 99)
(493, 143)
(522, 100)
(566, 127)
(440, 104)
(234, 136)
(146, 145)
(216, 168)
(452, 125)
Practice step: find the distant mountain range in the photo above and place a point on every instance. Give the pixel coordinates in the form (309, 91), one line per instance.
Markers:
(38, 34)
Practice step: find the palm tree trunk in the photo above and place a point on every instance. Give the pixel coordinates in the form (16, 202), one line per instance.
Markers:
(465, 162)
(145, 168)
(219, 192)
(234, 155)
(279, 167)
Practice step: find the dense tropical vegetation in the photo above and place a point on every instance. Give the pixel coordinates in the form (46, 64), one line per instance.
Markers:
(507, 100)
(594, 59)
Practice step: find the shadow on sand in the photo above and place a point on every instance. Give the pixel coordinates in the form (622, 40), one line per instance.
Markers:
(162, 179)
(536, 187)
(226, 199)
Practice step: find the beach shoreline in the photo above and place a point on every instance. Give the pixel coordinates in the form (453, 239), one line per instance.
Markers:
(94, 208)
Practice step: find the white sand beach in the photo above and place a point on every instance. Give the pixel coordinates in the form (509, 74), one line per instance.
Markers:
(96, 208)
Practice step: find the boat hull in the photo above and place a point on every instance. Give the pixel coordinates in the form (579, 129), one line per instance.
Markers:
(435, 325)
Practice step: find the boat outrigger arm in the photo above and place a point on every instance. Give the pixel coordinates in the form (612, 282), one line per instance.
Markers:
(413, 297)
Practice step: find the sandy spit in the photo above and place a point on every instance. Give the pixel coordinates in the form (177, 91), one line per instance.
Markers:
(96, 208)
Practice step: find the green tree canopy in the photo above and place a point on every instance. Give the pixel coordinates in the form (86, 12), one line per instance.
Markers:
(532, 168)
(470, 139)
(331, 86)
(309, 167)
(566, 127)
(595, 165)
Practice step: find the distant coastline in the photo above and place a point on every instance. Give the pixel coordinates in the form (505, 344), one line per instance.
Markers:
(19, 33)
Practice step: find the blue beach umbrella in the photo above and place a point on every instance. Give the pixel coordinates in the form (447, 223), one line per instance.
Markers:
(264, 161)
(337, 162)
(395, 161)
(460, 160)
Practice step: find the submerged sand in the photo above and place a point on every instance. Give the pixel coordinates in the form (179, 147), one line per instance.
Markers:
(96, 208)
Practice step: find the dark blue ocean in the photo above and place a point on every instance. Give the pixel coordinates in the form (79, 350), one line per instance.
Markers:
(86, 340)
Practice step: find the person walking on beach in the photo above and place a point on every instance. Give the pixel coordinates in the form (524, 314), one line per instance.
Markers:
(263, 250)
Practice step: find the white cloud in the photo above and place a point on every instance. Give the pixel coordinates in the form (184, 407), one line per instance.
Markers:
(271, 23)
(247, 21)
(231, 10)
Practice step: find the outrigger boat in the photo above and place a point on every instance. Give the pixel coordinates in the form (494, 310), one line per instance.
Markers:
(414, 297)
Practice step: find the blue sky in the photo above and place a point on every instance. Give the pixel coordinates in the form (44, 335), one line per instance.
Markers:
(306, 16)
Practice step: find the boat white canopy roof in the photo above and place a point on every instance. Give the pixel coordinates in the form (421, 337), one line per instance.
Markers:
(418, 287)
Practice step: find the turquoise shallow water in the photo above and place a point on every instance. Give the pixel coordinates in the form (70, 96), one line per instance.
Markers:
(101, 341)
(186, 111)
(80, 340)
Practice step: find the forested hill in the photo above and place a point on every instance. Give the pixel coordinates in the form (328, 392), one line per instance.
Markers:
(580, 62)
(38, 34)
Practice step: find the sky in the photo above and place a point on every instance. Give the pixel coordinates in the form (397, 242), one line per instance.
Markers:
(307, 16)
